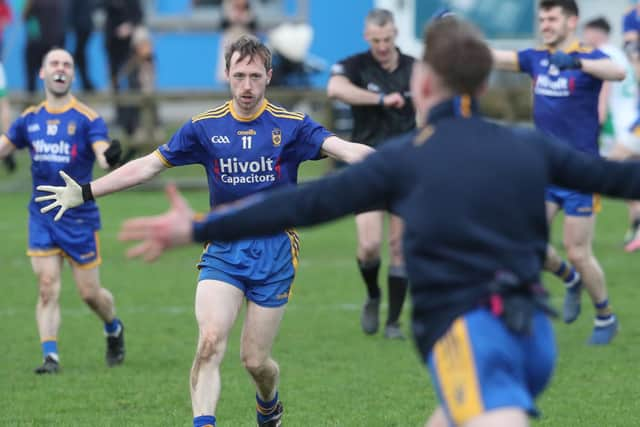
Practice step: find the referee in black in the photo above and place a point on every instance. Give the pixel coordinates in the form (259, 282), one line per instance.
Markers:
(375, 83)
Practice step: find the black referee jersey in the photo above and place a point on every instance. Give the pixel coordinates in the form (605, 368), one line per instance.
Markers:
(373, 124)
(471, 194)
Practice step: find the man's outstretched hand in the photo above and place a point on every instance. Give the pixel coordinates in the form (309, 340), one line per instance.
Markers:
(159, 233)
(66, 197)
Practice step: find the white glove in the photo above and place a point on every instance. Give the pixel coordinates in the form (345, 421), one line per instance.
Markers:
(66, 197)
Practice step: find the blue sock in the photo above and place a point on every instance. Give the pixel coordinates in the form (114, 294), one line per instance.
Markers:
(204, 421)
(265, 409)
(603, 310)
(50, 346)
(112, 327)
(568, 274)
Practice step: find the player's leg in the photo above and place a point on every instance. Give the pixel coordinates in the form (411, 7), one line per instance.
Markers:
(578, 236)
(369, 226)
(217, 305)
(507, 417)
(100, 300)
(483, 382)
(260, 328)
(565, 272)
(397, 279)
(48, 271)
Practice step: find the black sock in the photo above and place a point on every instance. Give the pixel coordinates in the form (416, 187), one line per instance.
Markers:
(398, 283)
(369, 271)
(636, 223)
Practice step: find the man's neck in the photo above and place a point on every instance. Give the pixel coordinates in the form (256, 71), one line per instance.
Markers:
(57, 102)
(566, 43)
(393, 61)
(246, 114)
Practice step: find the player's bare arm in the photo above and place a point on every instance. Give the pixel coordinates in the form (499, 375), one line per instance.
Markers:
(604, 69)
(74, 194)
(506, 60)
(6, 147)
(345, 151)
(341, 88)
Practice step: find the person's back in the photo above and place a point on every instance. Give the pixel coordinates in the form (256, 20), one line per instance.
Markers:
(498, 174)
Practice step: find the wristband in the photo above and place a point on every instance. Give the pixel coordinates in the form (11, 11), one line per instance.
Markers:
(381, 100)
(87, 195)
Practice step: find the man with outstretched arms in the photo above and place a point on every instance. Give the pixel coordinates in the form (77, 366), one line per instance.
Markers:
(567, 81)
(64, 135)
(474, 248)
(247, 145)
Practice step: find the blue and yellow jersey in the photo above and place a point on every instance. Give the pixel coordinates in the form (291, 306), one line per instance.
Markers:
(60, 139)
(565, 103)
(245, 156)
(630, 21)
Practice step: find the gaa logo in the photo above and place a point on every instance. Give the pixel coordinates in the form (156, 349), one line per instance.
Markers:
(220, 139)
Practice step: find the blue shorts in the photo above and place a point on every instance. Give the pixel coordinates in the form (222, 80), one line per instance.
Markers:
(478, 365)
(572, 202)
(263, 269)
(74, 239)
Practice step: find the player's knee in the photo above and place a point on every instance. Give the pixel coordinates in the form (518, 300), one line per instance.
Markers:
(578, 254)
(368, 249)
(48, 287)
(255, 363)
(211, 343)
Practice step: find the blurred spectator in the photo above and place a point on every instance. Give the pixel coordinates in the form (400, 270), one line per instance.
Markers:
(237, 19)
(45, 25)
(291, 65)
(5, 19)
(81, 23)
(122, 16)
(9, 161)
(141, 122)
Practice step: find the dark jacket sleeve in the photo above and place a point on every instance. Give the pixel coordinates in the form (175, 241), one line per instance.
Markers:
(590, 174)
(371, 183)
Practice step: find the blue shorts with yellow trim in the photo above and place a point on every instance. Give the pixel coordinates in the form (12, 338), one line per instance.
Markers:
(263, 269)
(572, 202)
(75, 239)
(479, 365)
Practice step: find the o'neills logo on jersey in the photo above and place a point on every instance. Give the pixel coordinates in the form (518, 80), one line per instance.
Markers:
(61, 152)
(560, 87)
(236, 171)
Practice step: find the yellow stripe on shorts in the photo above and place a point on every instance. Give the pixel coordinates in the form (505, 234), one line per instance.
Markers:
(455, 367)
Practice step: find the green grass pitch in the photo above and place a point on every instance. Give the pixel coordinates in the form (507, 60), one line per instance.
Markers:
(332, 375)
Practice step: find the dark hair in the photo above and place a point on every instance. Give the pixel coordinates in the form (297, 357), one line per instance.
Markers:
(599, 23)
(248, 46)
(569, 7)
(379, 17)
(455, 50)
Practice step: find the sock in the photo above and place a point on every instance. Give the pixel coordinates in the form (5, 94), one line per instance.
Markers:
(369, 271)
(568, 274)
(204, 421)
(603, 310)
(265, 409)
(50, 348)
(397, 282)
(112, 328)
(635, 224)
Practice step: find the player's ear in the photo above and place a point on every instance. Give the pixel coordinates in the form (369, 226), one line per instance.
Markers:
(269, 75)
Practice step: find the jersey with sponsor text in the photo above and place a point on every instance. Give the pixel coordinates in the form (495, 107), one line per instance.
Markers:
(60, 140)
(565, 103)
(243, 156)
